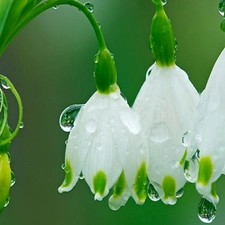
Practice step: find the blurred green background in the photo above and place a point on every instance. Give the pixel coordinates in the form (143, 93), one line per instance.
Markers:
(51, 64)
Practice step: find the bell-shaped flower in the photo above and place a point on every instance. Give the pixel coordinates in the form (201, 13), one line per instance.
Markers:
(105, 145)
(166, 104)
(207, 136)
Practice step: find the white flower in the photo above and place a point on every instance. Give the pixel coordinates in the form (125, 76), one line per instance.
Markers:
(208, 135)
(105, 145)
(166, 104)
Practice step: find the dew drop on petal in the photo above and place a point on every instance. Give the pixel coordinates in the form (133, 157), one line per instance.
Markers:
(65, 168)
(191, 170)
(206, 211)
(68, 116)
(13, 179)
(149, 71)
(152, 193)
(186, 139)
(66, 142)
(7, 201)
(221, 7)
(55, 7)
(89, 6)
(5, 84)
(91, 126)
(159, 132)
(179, 193)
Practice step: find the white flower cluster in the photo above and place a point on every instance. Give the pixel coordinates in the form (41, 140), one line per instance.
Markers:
(128, 149)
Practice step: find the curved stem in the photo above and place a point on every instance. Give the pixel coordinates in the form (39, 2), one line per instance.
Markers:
(51, 3)
(17, 96)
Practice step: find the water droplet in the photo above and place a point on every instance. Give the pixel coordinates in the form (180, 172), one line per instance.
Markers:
(66, 142)
(179, 193)
(81, 176)
(66, 168)
(221, 7)
(152, 193)
(89, 6)
(21, 125)
(55, 7)
(63, 166)
(99, 25)
(91, 126)
(191, 168)
(186, 139)
(112, 56)
(5, 84)
(222, 25)
(68, 116)
(206, 211)
(7, 201)
(9, 157)
(164, 2)
(149, 71)
(159, 132)
(13, 179)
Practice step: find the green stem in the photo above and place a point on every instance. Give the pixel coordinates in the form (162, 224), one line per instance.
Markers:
(17, 96)
(51, 3)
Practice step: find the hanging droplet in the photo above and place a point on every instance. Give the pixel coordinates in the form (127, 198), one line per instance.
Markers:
(89, 6)
(179, 193)
(191, 170)
(55, 7)
(66, 142)
(221, 7)
(81, 176)
(68, 116)
(63, 166)
(21, 125)
(152, 193)
(164, 2)
(9, 157)
(13, 179)
(222, 25)
(7, 201)
(206, 211)
(5, 84)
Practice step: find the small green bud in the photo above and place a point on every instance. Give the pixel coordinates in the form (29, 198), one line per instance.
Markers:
(105, 72)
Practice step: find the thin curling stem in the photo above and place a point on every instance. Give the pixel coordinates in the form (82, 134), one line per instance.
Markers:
(17, 96)
(50, 4)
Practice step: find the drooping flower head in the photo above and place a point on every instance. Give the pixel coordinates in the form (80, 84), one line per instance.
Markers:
(105, 145)
(207, 136)
(166, 104)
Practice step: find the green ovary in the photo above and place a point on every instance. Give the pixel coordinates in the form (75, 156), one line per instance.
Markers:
(141, 182)
(169, 186)
(205, 170)
(99, 182)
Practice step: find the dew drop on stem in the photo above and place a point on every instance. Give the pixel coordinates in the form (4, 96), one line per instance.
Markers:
(89, 6)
